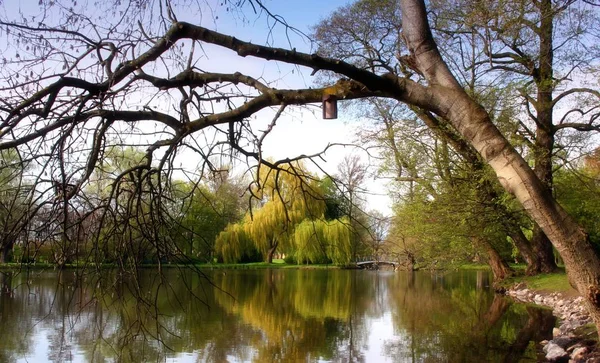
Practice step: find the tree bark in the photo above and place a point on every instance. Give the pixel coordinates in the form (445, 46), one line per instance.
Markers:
(271, 252)
(412, 263)
(543, 251)
(544, 135)
(525, 250)
(500, 268)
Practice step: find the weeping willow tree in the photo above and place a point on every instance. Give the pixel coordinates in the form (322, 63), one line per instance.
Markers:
(320, 241)
(234, 244)
(289, 195)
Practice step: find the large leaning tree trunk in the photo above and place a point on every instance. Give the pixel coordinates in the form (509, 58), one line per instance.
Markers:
(447, 99)
(486, 194)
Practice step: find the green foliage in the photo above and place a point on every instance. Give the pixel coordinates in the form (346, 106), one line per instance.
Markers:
(290, 259)
(309, 242)
(425, 229)
(290, 195)
(440, 231)
(200, 224)
(115, 161)
(206, 210)
(15, 203)
(334, 201)
(339, 233)
(578, 191)
(319, 241)
(234, 245)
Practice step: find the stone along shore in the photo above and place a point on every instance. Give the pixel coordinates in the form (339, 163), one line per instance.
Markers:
(567, 344)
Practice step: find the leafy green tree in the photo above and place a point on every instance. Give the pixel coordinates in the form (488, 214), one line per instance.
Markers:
(290, 195)
(544, 55)
(16, 203)
(333, 198)
(578, 190)
(206, 210)
(421, 154)
(234, 245)
(320, 241)
(199, 224)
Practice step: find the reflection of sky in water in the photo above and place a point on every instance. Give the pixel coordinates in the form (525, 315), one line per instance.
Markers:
(290, 315)
(41, 347)
(380, 331)
(41, 352)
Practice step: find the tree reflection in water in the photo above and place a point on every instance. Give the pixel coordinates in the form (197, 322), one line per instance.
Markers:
(263, 315)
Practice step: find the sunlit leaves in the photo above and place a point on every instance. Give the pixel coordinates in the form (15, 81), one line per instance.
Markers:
(233, 244)
(320, 241)
(290, 195)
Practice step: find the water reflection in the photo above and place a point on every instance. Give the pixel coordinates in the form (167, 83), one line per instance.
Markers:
(264, 315)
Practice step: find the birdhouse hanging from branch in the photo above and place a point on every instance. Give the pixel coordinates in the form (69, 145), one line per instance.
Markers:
(329, 107)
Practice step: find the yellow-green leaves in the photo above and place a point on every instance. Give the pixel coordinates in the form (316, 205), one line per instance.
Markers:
(319, 241)
(290, 195)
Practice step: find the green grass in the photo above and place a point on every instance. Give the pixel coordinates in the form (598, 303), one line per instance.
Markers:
(474, 266)
(277, 264)
(557, 281)
(31, 266)
(587, 331)
(549, 282)
(519, 267)
(261, 265)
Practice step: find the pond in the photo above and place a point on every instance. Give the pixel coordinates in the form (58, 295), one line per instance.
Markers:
(285, 315)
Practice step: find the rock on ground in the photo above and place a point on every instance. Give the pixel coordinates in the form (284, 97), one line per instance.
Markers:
(565, 345)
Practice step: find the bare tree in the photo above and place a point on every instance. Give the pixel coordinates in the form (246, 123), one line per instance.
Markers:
(351, 176)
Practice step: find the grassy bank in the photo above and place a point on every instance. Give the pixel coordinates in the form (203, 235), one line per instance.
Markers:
(545, 283)
(473, 266)
(277, 264)
(261, 265)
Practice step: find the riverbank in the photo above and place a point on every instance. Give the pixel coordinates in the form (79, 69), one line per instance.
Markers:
(575, 339)
(277, 264)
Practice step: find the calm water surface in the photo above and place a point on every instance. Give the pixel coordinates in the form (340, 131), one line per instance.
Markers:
(264, 316)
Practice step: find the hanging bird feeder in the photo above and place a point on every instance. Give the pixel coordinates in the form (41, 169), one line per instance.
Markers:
(329, 107)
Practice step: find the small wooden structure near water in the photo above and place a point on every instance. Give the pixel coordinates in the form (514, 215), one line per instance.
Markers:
(374, 265)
